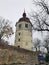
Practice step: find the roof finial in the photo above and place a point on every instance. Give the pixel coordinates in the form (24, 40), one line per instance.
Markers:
(24, 14)
(24, 10)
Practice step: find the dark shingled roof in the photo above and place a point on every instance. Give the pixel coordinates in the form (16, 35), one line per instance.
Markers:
(24, 19)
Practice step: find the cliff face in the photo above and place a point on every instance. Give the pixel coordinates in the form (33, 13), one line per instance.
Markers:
(11, 54)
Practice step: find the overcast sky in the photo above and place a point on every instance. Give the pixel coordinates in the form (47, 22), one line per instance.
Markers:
(13, 10)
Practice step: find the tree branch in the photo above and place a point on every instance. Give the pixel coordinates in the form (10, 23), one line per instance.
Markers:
(42, 29)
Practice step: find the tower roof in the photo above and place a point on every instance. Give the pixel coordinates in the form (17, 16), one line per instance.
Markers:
(24, 18)
(24, 14)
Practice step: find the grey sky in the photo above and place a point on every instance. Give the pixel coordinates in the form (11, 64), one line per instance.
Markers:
(13, 10)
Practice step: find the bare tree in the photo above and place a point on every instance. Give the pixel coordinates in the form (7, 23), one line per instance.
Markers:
(41, 17)
(37, 43)
(46, 41)
(5, 29)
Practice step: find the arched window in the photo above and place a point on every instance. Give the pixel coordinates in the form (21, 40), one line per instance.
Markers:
(19, 25)
(26, 25)
(19, 40)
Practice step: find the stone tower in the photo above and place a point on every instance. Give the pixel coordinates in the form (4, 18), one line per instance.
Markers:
(23, 35)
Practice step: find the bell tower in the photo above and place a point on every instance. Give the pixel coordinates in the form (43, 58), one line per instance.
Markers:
(23, 34)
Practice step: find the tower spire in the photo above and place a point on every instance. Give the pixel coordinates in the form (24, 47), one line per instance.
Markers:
(24, 10)
(24, 14)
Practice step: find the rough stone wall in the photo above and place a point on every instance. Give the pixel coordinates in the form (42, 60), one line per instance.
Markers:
(8, 56)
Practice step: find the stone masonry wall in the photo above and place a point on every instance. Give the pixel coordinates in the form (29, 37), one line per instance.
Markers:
(17, 55)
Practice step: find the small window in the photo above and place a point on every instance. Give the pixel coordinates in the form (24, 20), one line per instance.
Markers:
(18, 46)
(19, 33)
(19, 40)
(26, 25)
(19, 25)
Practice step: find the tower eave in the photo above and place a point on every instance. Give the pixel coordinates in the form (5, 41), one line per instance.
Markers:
(23, 21)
